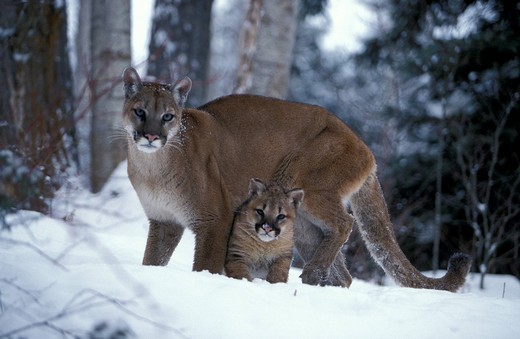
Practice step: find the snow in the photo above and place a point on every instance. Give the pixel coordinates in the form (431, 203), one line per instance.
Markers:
(81, 269)
(351, 22)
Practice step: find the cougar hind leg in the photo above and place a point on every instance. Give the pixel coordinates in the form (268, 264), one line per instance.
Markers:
(306, 246)
(318, 241)
(339, 274)
(307, 238)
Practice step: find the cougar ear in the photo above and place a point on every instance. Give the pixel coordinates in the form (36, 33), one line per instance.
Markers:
(256, 186)
(296, 196)
(181, 89)
(132, 82)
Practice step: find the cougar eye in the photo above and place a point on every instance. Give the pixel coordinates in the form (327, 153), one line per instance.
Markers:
(260, 212)
(280, 216)
(140, 113)
(167, 117)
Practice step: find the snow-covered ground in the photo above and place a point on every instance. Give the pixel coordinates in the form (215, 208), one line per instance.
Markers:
(80, 270)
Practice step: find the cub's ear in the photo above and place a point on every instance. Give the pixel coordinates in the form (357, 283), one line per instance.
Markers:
(181, 89)
(132, 82)
(256, 187)
(296, 197)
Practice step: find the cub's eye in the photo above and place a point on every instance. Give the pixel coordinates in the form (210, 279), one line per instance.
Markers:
(260, 212)
(140, 113)
(167, 117)
(280, 216)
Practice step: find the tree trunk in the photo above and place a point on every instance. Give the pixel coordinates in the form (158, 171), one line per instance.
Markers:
(111, 53)
(274, 50)
(438, 190)
(36, 127)
(248, 47)
(180, 44)
(82, 94)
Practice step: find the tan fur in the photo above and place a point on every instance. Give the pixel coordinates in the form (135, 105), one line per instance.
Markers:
(203, 158)
(256, 249)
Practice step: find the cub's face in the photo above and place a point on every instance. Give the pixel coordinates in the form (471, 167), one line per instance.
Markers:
(270, 210)
(152, 112)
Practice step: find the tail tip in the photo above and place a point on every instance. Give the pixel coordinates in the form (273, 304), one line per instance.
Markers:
(460, 263)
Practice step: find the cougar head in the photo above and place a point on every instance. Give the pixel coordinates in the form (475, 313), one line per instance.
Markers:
(152, 111)
(271, 209)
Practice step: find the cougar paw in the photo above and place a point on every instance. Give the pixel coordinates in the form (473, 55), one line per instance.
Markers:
(315, 276)
(340, 278)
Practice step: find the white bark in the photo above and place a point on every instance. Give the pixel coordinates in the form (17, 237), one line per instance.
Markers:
(248, 47)
(274, 50)
(111, 53)
(81, 73)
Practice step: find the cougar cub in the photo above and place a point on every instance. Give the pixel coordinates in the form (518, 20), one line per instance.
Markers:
(261, 241)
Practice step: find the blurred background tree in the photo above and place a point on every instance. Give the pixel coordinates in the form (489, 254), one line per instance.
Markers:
(267, 57)
(37, 136)
(110, 53)
(180, 44)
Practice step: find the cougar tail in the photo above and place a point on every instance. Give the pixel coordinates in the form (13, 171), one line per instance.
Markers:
(371, 214)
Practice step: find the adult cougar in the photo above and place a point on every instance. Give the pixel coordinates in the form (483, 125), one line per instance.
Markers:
(261, 240)
(189, 167)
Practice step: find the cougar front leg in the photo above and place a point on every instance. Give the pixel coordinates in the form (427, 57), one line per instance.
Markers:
(162, 240)
(211, 239)
(279, 269)
(237, 268)
(333, 224)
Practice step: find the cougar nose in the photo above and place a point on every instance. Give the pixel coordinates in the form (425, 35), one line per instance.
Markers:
(151, 137)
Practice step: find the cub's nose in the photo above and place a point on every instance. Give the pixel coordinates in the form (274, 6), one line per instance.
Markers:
(267, 228)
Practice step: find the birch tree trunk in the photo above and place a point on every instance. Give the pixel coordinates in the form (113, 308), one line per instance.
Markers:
(111, 53)
(248, 39)
(82, 94)
(274, 48)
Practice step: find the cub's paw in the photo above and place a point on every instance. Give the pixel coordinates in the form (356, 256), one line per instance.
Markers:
(315, 276)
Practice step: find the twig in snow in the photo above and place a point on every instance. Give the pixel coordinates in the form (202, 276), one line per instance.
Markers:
(36, 249)
(81, 302)
(11, 283)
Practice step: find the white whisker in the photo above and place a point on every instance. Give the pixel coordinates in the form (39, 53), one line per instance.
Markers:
(284, 235)
(175, 144)
(117, 134)
(246, 226)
